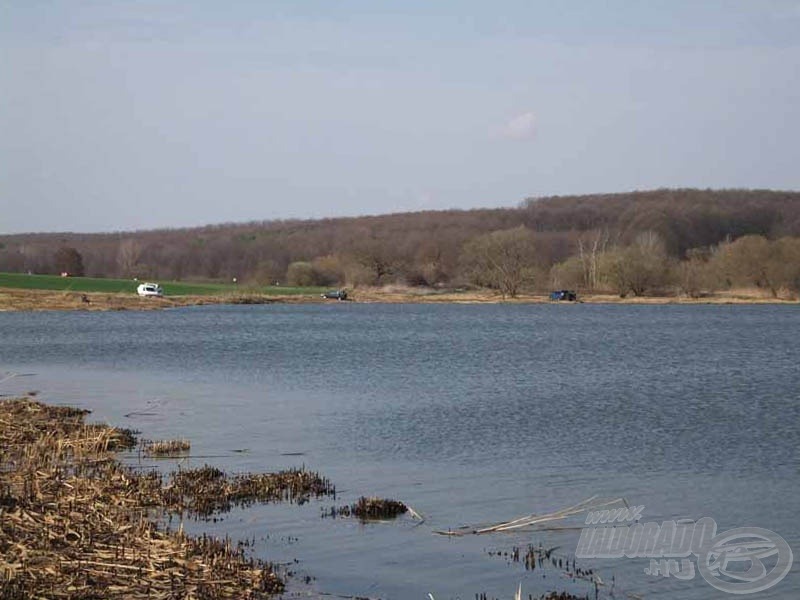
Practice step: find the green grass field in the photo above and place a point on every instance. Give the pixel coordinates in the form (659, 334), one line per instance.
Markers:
(115, 286)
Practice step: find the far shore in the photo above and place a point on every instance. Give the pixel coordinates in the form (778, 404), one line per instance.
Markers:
(14, 299)
(38, 300)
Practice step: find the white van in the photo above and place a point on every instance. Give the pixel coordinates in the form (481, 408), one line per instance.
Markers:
(149, 289)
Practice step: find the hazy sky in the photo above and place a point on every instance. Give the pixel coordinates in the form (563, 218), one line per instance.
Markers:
(123, 115)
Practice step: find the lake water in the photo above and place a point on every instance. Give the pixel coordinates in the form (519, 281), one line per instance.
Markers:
(469, 413)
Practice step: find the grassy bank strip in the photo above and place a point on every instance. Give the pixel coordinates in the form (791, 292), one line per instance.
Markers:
(33, 300)
(123, 286)
(77, 523)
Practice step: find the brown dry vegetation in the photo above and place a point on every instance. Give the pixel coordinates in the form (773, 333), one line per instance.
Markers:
(165, 447)
(438, 248)
(36, 300)
(21, 299)
(32, 300)
(411, 295)
(369, 508)
(77, 523)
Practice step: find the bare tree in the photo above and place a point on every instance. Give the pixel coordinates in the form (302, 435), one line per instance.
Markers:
(501, 260)
(69, 260)
(372, 261)
(695, 275)
(641, 267)
(755, 260)
(590, 257)
(301, 274)
(788, 252)
(329, 270)
(569, 274)
(36, 258)
(128, 255)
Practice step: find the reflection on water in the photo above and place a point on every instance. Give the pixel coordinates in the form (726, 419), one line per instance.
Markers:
(470, 414)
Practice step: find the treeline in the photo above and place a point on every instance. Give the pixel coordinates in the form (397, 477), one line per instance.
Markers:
(644, 267)
(635, 243)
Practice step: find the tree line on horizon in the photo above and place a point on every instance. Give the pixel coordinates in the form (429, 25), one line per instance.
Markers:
(662, 241)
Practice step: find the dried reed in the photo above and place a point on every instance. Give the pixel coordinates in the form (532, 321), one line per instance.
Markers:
(165, 447)
(76, 523)
(368, 509)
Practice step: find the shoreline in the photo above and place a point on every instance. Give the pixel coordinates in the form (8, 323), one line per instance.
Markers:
(25, 300)
(21, 300)
(78, 521)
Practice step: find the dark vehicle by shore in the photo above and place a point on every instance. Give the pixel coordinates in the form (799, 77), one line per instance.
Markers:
(335, 295)
(565, 295)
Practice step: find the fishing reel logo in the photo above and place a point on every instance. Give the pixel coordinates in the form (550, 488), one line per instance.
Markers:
(744, 560)
(735, 560)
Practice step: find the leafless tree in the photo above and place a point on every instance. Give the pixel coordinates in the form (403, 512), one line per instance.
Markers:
(68, 260)
(128, 255)
(755, 260)
(301, 274)
(589, 254)
(641, 267)
(502, 260)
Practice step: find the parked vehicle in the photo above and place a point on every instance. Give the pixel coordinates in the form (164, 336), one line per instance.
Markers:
(149, 289)
(565, 295)
(335, 295)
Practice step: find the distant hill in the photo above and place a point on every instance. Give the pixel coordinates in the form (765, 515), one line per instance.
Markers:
(419, 247)
(686, 218)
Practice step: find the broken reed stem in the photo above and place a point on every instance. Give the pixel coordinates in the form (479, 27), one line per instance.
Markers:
(532, 520)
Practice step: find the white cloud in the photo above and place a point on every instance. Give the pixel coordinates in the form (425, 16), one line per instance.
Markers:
(520, 127)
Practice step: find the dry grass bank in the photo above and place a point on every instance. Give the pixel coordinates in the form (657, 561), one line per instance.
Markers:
(399, 294)
(12, 299)
(35, 300)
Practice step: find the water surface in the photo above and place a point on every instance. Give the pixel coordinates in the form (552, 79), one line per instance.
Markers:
(469, 413)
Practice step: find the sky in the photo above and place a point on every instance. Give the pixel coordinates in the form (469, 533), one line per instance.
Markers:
(123, 115)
